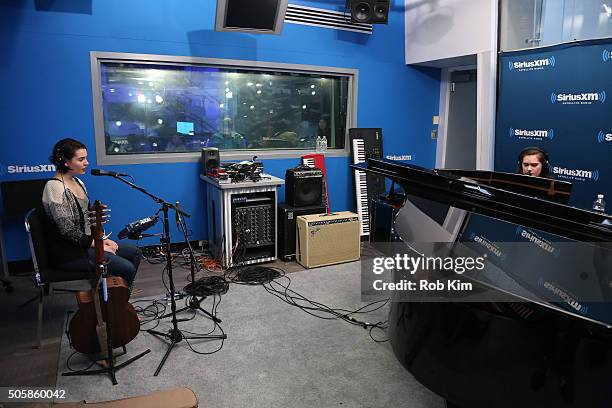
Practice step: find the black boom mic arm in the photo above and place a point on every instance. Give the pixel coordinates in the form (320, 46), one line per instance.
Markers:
(98, 172)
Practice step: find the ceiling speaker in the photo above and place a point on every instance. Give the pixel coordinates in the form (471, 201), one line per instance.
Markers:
(370, 11)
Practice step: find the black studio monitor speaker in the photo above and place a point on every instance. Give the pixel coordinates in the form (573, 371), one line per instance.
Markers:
(304, 186)
(210, 159)
(370, 11)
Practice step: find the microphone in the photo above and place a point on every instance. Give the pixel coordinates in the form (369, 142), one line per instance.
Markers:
(134, 229)
(98, 172)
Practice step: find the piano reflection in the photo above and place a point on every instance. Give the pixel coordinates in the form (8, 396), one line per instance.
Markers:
(549, 343)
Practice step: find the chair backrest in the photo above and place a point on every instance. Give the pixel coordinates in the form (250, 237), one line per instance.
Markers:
(35, 225)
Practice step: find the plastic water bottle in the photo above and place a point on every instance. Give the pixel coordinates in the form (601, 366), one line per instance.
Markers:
(318, 146)
(599, 205)
(324, 144)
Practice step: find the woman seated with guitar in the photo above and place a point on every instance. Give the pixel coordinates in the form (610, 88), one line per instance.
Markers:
(66, 204)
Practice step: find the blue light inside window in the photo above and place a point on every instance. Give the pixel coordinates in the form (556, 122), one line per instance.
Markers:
(185, 128)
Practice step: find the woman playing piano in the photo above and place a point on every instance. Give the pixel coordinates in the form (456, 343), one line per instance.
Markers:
(533, 161)
(66, 204)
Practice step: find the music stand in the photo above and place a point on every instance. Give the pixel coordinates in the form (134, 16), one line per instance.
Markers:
(174, 335)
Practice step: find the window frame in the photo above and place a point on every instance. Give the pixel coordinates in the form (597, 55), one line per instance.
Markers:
(103, 158)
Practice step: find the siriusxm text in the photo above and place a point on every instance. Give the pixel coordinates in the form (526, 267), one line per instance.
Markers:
(587, 96)
(563, 295)
(492, 248)
(538, 241)
(41, 168)
(562, 171)
(531, 64)
(531, 133)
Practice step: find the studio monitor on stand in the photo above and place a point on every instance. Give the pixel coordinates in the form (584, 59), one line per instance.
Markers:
(210, 159)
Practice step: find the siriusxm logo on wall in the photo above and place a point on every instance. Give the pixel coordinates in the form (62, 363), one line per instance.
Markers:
(533, 64)
(603, 137)
(16, 169)
(575, 174)
(400, 157)
(570, 98)
(532, 134)
(582, 98)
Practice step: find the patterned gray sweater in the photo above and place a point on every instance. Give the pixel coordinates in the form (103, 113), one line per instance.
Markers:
(70, 231)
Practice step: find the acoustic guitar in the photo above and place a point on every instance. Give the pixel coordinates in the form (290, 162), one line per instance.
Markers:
(104, 305)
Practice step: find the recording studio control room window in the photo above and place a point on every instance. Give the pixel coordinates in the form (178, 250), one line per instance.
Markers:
(165, 108)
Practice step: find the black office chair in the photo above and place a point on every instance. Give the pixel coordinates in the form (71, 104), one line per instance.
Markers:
(45, 275)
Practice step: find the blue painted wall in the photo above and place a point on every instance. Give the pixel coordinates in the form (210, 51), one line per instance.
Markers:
(45, 93)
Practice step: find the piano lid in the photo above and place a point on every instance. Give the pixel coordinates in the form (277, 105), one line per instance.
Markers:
(503, 203)
(541, 187)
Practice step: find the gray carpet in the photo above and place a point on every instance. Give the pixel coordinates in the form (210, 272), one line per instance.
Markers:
(275, 355)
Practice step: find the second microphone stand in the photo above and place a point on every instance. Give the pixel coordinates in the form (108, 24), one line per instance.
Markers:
(193, 303)
(174, 335)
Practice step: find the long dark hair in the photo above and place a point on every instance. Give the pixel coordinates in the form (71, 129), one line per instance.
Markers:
(63, 152)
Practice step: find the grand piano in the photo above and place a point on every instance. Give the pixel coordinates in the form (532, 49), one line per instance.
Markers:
(546, 341)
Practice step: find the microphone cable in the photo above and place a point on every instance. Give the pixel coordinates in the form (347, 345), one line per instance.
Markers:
(272, 278)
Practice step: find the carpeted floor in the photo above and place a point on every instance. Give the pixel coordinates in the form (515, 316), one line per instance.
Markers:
(274, 355)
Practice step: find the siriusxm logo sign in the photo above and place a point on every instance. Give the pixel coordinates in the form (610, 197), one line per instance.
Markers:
(532, 65)
(605, 55)
(585, 98)
(532, 134)
(575, 174)
(401, 157)
(567, 297)
(603, 137)
(537, 240)
(40, 168)
(488, 245)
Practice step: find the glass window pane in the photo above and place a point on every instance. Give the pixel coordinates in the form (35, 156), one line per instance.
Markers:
(536, 23)
(154, 108)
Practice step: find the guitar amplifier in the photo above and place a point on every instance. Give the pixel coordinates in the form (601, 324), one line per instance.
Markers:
(304, 186)
(287, 217)
(327, 239)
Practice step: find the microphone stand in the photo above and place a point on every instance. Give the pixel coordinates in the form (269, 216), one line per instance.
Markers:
(193, 303)
(174, 335)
